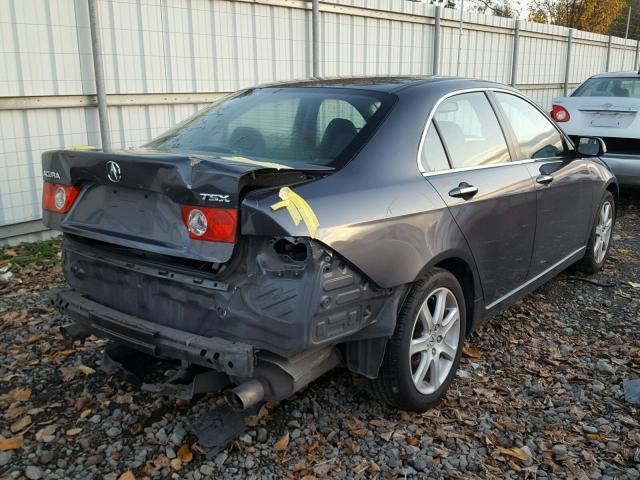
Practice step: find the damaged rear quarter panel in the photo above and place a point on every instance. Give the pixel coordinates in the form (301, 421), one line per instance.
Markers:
(378, 211)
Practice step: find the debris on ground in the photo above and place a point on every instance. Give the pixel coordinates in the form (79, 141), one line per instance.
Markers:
(545, 390)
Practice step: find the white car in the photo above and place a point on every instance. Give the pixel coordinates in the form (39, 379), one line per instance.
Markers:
(607, 106)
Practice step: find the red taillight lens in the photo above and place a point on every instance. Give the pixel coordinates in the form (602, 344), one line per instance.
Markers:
(211, 224)
(560, 114)
(57, 197)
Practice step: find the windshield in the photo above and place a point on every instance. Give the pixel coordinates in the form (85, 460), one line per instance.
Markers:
(609, 87)
(292, 127)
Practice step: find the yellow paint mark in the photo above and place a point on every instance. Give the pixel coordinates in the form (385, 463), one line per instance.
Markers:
(298, 208)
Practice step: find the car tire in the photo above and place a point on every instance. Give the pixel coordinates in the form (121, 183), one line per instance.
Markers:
(600, 238)
(398, 383)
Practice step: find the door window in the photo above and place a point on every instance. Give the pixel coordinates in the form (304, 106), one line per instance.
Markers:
(470, 131)
(535, 134)
(433, 157)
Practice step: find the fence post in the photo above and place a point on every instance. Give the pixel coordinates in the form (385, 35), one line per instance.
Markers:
(606, 69)
(315, 41)
(635, 60)
(96, 50)
(436, 41)
(567, 67)
(514, 58)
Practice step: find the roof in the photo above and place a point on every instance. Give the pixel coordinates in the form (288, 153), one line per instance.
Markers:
(382, 84)
(632, 73)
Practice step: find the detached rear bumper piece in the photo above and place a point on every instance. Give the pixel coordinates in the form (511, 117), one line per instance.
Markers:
(234, 358)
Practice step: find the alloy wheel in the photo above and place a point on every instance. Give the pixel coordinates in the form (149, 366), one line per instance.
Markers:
(434, 342)
(603, 231)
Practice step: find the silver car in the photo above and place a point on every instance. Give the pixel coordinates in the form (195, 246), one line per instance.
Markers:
(607, 106)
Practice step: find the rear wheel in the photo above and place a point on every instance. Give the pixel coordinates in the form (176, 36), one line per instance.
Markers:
(600, 239)
(423, 354)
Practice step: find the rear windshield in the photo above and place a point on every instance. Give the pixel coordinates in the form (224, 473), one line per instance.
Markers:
(292, 127)
(609, 87)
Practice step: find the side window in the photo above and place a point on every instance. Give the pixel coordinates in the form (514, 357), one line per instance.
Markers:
(535, 134)
(433, 157)
(471, 131)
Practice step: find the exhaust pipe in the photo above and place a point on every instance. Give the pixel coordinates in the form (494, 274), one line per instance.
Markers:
(245, 395)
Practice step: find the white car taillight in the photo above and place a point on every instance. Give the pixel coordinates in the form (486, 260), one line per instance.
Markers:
(560, 114)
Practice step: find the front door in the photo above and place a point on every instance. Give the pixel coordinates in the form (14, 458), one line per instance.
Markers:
(492, 200)
(563, 183)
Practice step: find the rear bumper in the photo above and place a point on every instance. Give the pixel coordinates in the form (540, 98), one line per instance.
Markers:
(625, 167)
(233, 358)
(267, 300)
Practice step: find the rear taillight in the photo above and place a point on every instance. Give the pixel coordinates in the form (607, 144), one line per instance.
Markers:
(57, 197)
(560, 114)
(211, 224)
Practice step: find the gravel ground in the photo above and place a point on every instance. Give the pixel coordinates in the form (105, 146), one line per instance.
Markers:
(539, 394)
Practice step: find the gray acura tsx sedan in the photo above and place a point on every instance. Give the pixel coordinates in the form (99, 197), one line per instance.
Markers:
(290, 228)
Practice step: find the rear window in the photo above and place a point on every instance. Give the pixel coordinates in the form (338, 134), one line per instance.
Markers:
(292, 127)
(609, 87)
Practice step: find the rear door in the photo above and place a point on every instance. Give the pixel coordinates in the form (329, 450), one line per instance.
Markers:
(564, 183)
(492, 199)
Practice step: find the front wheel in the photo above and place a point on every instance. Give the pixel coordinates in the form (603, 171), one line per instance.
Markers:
(423, 354)
(600, 238)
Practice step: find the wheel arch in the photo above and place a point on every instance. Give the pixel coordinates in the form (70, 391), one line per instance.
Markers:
(612, 187)
(462, 266)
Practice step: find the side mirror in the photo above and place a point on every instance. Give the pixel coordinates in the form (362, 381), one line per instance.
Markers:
(591, 146)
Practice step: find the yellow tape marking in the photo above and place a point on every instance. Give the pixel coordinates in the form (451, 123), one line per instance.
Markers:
(298, 208)
(83, 147)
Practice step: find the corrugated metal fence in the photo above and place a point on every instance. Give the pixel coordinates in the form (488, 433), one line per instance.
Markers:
(164, 59)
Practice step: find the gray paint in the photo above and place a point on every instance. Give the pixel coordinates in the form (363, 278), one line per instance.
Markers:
(379, 217)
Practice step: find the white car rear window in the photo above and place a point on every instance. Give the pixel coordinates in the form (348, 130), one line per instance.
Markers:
(609, 87)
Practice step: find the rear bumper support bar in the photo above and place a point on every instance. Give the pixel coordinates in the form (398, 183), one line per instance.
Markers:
(234, 358)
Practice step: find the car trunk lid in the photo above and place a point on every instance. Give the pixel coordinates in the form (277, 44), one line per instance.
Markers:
(602, 116)
(137, 199)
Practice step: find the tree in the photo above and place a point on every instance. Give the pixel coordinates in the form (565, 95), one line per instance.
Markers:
(619, 25)
(591, 15)
(499, 8)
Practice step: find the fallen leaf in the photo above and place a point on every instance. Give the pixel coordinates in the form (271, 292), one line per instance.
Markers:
(14, 412)
(351, 447)
(136, 428)
(68, 373)
(86, 370)
(594, 436)
(11, 443)
(33, 339)
(20, 394)
(472, 352)
(128, 475)
(282, 443)
(45, 432)
(624, 251)
(185, 455)
(86, 413)
(9, 377)
(515, 452)
(73, 432)
(176, 464)
(21, 424)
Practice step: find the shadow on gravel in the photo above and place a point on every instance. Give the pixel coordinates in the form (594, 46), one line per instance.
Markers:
(539, 394)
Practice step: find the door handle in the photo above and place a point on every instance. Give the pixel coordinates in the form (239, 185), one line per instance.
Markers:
(544, 179)
(464, 190)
